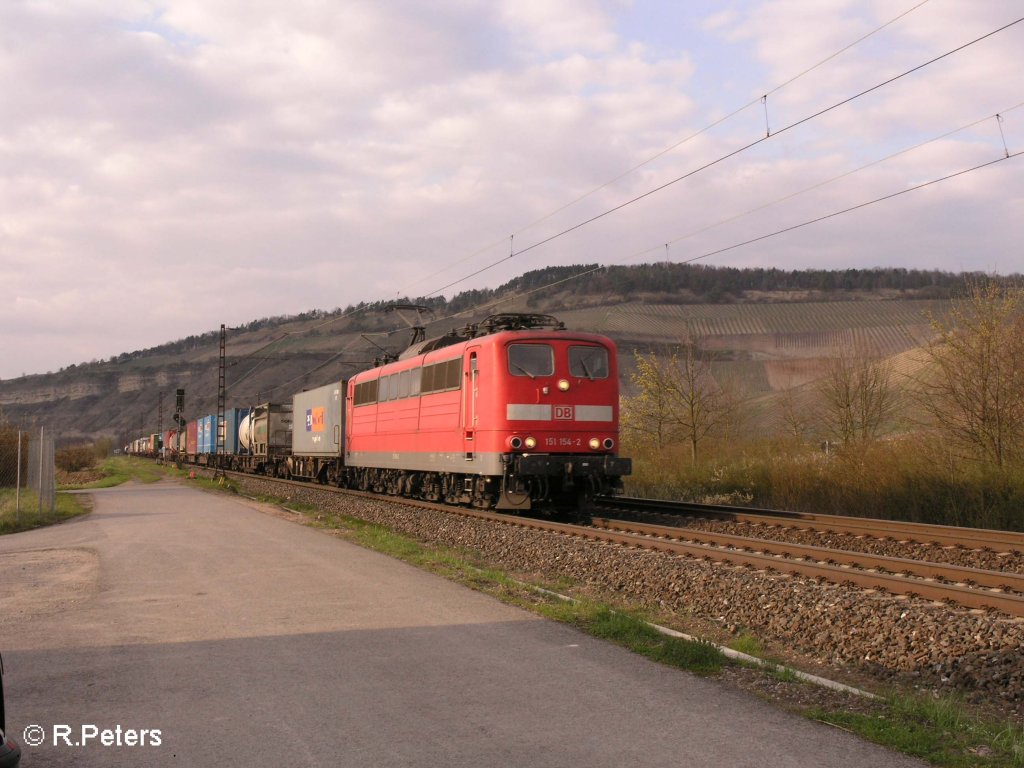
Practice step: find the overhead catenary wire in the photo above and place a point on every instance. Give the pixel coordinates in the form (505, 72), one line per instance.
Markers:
(776, 233)
(734, 246)
(690, 137)
(857, 207)
(833, 179)
(303, 375)
(723, 158)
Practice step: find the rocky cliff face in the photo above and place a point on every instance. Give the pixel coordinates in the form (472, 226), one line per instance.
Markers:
(50, 388)
(15, 395)
(87, 402)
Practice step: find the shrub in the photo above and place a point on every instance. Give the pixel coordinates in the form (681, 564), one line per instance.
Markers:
(913, 478)
(75, 458)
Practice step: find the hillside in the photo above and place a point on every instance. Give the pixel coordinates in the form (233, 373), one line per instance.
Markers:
(770, 330)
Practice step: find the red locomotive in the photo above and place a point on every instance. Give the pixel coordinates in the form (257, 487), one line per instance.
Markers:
(517, 413)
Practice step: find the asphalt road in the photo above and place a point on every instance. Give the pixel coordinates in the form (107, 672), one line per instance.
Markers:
(243, 639)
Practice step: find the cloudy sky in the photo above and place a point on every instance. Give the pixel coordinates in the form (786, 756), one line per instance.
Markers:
(170, 165)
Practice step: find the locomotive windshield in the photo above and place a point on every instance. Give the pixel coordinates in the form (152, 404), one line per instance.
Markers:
(531, 360)
(588, 362)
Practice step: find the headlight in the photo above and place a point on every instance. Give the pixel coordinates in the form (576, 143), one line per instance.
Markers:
(609, 443)
(530, 443)
(516, 443)
(594, 443)
(563, 385)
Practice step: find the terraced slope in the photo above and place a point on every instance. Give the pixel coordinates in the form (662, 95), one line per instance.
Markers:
(771, 349)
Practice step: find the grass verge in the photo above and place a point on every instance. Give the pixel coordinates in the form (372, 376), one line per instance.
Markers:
(12, 520)
(939, 730)
(120, 469)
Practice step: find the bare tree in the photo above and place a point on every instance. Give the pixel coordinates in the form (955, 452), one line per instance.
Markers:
(973, 385)
(650, 412)
(679, 398)
(858, 396)
(706, 406)
(794, 419)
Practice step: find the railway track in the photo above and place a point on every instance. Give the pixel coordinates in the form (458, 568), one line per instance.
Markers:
(969, 587)
(943, 535)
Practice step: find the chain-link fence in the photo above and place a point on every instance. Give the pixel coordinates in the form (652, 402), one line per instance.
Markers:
(28, 490)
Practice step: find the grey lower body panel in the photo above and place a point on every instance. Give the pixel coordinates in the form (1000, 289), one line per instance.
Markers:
(546, 464)
(462, 463)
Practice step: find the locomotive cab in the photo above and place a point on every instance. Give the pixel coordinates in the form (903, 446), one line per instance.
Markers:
(555, 408)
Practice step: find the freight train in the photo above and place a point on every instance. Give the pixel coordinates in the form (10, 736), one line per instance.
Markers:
(515, 413)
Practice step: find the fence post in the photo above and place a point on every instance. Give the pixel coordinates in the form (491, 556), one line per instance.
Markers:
(41, 472)
(17, 487)
(51, 479)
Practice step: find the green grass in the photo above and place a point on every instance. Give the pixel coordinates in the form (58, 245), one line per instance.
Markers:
(937, 729)
(632, 632)
(784, 674)
(120, 469)
(221, 483)
(940, 731)
(746, 643)
(11, 521)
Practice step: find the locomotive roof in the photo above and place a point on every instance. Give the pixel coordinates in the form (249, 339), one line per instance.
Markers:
(493, 324)
(499, 337)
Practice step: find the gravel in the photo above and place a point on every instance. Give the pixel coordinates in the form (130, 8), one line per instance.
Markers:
(888, 637)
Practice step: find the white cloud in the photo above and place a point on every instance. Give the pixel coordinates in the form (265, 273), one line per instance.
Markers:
(562, 26)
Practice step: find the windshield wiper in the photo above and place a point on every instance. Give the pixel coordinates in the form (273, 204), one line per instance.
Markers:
(518, 366)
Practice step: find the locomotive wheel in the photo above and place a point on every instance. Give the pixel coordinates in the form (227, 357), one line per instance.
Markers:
(431, 487)
(450, 489)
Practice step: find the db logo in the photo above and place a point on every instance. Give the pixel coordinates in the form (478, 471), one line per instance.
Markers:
(563, 412)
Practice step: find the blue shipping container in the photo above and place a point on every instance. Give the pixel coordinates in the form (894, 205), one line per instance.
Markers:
(232, 417)
(207, 434)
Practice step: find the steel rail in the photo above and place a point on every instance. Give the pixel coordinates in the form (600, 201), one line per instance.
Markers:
(920, 568)
(972, 538)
